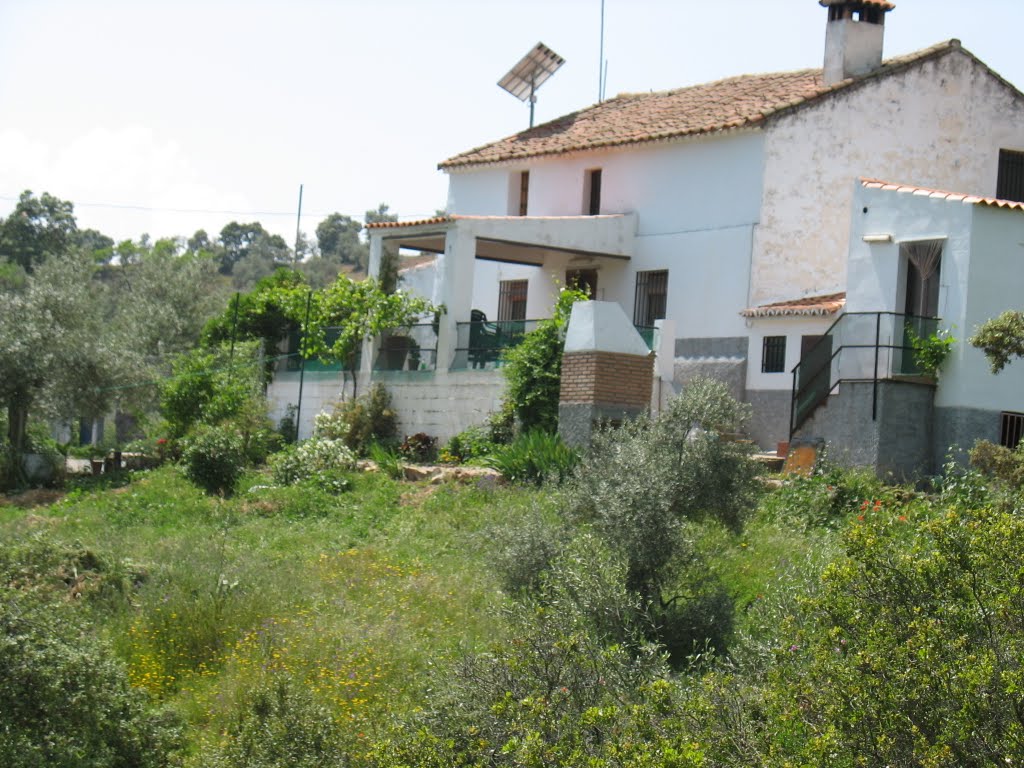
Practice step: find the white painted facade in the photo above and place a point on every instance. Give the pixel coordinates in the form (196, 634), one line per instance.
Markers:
(981, 275)
(939, 124)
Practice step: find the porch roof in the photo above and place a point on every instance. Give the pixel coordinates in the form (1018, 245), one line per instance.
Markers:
(812, 306)
(941, 194)
(519, 239)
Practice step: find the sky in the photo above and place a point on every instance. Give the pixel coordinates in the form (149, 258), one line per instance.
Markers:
(166, 116)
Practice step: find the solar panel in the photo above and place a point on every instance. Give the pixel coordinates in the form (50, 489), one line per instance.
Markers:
(523, 80)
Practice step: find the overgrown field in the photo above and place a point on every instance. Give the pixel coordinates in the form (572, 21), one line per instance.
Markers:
(842, 623)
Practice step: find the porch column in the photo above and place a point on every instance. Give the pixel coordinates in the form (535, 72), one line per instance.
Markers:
(376, 252)
(453, 287)
(369, 347)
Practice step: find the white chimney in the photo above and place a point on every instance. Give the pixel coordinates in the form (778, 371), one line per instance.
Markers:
(853, 37)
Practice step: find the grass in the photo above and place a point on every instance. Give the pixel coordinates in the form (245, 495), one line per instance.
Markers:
(355, 596)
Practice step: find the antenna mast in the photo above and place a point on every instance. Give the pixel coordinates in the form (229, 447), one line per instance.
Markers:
(602, 67)
(529, 73)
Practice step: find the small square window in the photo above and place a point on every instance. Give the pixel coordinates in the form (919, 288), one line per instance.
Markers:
(773, 354)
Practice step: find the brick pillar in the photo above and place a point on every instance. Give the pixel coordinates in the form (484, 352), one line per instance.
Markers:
(607, 371)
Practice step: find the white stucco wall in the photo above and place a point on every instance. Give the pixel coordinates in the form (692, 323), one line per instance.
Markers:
(793, 328)
(995, 284)
(940, 124)
(697, 203)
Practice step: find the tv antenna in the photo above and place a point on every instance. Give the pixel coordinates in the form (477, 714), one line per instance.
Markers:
(523, 80)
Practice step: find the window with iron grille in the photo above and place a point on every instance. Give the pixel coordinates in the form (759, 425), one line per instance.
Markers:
(651, 297)
(1010, 183)
(512, 300)
(524, 192)
(1011, 429)
(773, 354)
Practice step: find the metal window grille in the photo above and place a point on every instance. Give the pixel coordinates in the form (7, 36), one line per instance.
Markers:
(1010, 182)
(651, 297)
(512, 300)
(773, 354)
(1011, 429)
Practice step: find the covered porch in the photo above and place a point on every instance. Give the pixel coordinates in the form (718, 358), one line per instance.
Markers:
(485, 313)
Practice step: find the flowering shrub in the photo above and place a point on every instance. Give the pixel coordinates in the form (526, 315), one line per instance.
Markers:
(317, 457)
(330, 425)
(360, 422)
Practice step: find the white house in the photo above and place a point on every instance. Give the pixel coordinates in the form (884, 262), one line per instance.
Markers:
(724, 209)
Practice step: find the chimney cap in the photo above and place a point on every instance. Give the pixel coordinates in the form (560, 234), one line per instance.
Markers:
(880, 4)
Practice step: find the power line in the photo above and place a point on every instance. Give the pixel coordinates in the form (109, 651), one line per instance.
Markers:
(225, 212)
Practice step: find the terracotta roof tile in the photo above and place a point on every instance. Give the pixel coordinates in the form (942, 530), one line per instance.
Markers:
(808, 306)
(418, 222)
(745, 101)
(941, 194)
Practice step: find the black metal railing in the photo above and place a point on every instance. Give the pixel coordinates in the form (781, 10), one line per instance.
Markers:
(407, 349)
(858, 346)
(481, 343)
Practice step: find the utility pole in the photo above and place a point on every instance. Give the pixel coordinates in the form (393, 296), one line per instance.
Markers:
(298, 226)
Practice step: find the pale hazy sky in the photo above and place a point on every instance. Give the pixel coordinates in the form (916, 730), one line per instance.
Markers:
(142, 112)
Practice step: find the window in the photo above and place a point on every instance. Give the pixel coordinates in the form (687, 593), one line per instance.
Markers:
(592, 192)
(651, 295)
(1011, 429)
(1010, 183)
(923, 266)
(512, 300)
(583, 279)
(524, 192)
(773, 354)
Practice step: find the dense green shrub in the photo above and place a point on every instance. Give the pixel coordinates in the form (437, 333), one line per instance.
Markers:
(420, 447)
(559, 691)
(533, 369)
(66, 702)
(213, 458)
(640, 482)
(913, 655)
(534, 457)
(280, 725)
(469, 444)
(999, 463)
(210, 386)
(524, 549)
